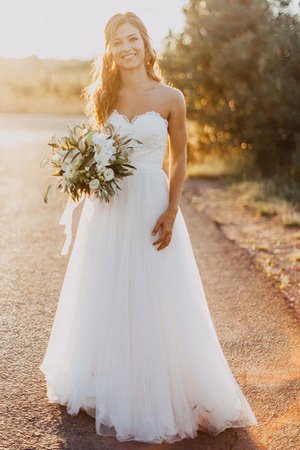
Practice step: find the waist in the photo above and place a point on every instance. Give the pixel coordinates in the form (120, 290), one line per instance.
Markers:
(147, 166)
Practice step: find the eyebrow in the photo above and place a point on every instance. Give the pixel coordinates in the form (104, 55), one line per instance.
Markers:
(132, 34)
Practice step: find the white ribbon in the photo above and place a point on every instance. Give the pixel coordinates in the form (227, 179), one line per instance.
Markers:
(67, 219)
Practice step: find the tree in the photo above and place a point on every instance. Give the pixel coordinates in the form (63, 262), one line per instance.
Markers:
(238, 63)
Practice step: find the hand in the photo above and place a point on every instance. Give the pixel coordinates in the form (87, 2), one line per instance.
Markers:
(165, 221)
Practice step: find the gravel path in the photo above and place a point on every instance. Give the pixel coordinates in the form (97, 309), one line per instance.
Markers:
(257, 331)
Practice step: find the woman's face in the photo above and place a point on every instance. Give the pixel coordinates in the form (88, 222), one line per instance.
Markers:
(127, 47)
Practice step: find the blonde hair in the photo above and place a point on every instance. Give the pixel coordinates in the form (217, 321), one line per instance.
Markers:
(102, 94)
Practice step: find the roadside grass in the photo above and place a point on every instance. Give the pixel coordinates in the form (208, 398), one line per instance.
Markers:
(268, 197)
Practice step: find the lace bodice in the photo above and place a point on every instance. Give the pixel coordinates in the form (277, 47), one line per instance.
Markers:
(151, 129)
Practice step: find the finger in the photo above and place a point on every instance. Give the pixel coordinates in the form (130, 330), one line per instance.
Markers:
(164, 244)
(156, 227)
(157, 241)
(160, 239)
(165, 241)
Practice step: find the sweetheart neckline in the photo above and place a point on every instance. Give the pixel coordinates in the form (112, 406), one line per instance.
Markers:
(131, 122)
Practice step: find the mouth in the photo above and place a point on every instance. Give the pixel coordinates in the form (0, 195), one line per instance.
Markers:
(130, 56)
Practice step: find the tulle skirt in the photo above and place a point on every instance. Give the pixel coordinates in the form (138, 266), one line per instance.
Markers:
(133, 343)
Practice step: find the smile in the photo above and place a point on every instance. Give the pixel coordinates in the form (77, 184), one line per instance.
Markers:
(129, 56)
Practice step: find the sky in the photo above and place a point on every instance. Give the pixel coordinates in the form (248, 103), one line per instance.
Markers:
(66, 29)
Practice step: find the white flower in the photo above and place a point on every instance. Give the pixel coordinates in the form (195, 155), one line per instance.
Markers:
(97, 138)
(70, 171)
(108, 174)
(102, 140)
(103, 144)
(103, 157)
(94, 184)
(62, 152)
(65, 164)
(56, 157)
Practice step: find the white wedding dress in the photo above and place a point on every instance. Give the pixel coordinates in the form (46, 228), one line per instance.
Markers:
(133, 343)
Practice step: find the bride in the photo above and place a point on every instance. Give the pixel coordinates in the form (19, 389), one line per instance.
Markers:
(133, 343)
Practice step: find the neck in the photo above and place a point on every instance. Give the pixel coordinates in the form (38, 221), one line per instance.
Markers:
(130, 79)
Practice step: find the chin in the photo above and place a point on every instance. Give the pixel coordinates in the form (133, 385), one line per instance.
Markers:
(131, 65)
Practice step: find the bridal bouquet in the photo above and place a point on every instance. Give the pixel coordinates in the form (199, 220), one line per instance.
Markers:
(90, 161)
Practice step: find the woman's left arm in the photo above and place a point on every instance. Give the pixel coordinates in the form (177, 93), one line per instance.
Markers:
(177, 167)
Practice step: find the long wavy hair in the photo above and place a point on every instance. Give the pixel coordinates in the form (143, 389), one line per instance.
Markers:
(102, 94)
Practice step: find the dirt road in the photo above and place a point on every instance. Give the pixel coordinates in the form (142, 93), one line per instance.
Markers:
(257, 331)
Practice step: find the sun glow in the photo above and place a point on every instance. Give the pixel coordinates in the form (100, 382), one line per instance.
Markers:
(67, 29)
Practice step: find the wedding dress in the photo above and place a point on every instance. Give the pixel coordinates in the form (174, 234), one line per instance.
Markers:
(133, 343)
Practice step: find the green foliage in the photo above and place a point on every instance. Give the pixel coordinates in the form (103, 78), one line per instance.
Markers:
(238, 64)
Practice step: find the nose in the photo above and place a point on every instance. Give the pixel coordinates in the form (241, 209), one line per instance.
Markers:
(126, 45)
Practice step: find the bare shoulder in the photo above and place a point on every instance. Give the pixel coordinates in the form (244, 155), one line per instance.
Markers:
(174, 103)
(172, 94)
(174, 100)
